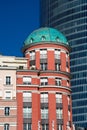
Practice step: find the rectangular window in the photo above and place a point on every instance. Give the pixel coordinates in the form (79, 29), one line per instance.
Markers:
(58, 98)
(44, 113)
(58, 81)
(44, 97)
(8, 95)
(45, 127)
(43, 54)
(8, 80)
(27, 112)
(57, 66)
(57, 54)
(27, 96)
(59, 127)
(6, 126)
(59, 113)
(7, 111)
(43, 66)
(43, 81)
(26, 80)
(32, 55)
(27, 126)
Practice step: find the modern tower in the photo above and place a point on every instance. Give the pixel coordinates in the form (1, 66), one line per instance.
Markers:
(70, 16)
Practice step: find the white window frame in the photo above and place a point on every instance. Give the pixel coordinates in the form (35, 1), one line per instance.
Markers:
(58, 98)
(57, 66)
(44, 113)
(46, 126)
(59, 113)
(8, 94)
(32, 55)
(28, 126)
(43, 54)
(44, 81)
(57, 54)
(27, 96)
(7, 111)
(6, 126)
(58, 81)
(43, 66)
(27, 112)
(60, 127)
(8, 80)
(27, 80)
(44, 97)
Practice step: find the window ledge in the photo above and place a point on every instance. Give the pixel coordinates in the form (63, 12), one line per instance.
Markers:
(8, 85)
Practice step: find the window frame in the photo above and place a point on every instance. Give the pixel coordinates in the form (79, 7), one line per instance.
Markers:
(6, 126)
(27, 112)
(43, 81)
(58, 98)
(27, 126)
(43, 53)
(6, 94)
(44, 97)
(43, 66)
(57, 54)
(59, 113)
(32, 55)
(45, 126)
(7, 111)
(8, 80)
(57, 66)
(27, 79)
(58, 81)
(44, 113)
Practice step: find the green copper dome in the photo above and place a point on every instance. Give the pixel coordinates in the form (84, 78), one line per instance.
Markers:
(45, 35)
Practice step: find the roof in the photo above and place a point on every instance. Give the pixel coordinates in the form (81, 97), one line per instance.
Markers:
(45, 34)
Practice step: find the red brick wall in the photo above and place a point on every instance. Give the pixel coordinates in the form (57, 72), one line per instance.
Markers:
(51, 62)
(38, 60)
(52, 110)
(19, 111)
(65, 111)
(63, 61)
(35, 111)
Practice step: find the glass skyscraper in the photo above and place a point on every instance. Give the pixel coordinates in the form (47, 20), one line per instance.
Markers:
(70, 17)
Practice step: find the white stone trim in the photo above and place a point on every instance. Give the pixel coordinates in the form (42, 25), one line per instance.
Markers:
(50, 49)
(10, 123)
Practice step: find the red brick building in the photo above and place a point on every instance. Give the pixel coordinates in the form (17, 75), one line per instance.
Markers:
(43, 89)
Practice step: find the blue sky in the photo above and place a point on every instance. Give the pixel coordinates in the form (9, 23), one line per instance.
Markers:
(18, 18)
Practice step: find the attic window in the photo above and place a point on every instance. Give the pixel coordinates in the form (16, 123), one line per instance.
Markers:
(57, 39)
(43, 38)
(31, 40)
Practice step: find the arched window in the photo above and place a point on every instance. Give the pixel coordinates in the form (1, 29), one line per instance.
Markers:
(31, 40)
(6, 126)
(43, 38)
(57, 39)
